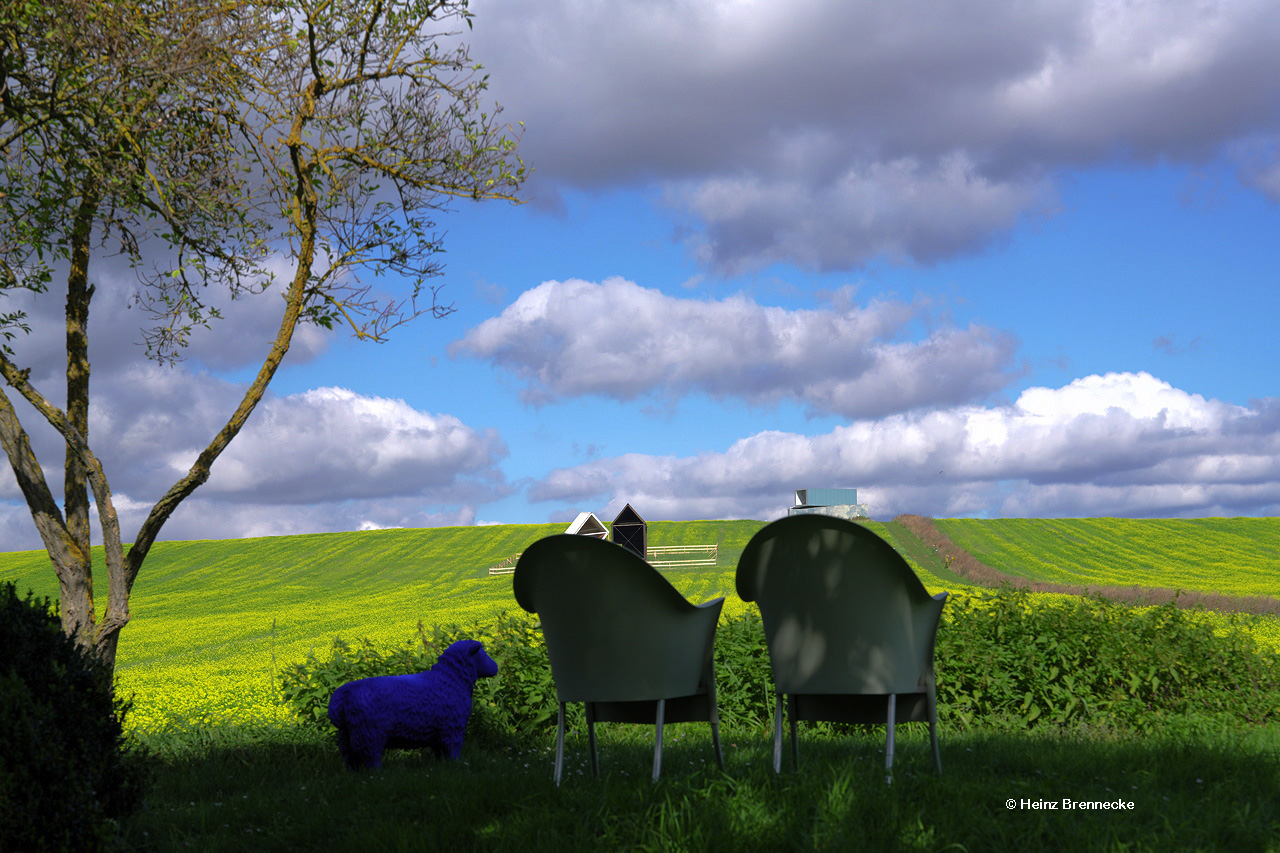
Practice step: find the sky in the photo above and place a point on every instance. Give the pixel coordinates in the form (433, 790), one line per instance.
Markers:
(973, 259)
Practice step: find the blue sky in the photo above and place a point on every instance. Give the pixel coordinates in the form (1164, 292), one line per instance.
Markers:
(970, 261)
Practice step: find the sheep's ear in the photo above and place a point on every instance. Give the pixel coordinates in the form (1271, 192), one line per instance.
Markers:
(476, 649)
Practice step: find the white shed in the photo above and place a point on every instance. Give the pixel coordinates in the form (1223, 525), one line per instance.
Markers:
(586, 524)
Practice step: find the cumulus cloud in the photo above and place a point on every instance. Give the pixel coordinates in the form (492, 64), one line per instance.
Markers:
(202, 518)
(1118, 444)
(827, 132)
(899, 210)
(620, 340)
(333, 444)
(322, 445)
(328, 458)
(324, 459)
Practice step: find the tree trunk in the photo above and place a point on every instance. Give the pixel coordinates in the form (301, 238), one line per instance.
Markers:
(78, 613)
(68, 559)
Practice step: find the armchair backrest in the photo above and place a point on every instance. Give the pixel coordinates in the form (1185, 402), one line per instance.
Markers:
(843, 612)
(616, 629)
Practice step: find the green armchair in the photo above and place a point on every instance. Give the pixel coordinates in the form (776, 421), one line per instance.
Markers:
(849, 626)
(621, 639)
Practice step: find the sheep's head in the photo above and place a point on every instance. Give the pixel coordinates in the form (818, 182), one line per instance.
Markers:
(471, 653)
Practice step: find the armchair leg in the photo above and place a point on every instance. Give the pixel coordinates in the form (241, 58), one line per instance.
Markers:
(888, 749)
(715, 742)
(714, 717)
(559, 744)
(591, 739)
(777, 736)
(795, 733)
(657, 747)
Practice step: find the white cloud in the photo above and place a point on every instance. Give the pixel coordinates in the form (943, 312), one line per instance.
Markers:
(827, 132)
(332, 444)
(205, 517)
(202, 518)
(620, 340)
(326, 444)
(1119, 444)
(325, 459)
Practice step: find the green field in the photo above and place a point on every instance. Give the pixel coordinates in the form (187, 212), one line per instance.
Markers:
(214, 621)
(1238, 556)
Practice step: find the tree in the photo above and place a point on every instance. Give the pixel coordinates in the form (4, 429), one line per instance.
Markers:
(201, 140)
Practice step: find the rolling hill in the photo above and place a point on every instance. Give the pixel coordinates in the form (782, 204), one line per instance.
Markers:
(214, 620)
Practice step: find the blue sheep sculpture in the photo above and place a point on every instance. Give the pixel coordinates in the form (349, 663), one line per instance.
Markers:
(424, 709)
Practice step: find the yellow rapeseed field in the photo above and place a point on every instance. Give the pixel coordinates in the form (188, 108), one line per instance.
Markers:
(214, 622)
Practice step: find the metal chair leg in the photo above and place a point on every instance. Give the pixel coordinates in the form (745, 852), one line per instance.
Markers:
(715, 719)
(657, 747)
(591, 739)
(795, 733)
(777, 736)
(715, 741)
(559, 744)
(888, 749)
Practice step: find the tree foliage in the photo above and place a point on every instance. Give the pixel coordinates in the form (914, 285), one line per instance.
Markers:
(206, 143)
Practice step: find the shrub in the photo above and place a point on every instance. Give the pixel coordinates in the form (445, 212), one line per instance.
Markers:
(744, 685)
(1004, 659)
(66, 771)
(307, 686)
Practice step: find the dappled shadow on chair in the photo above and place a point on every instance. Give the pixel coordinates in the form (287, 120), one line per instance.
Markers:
(621, 639)
(850, 628)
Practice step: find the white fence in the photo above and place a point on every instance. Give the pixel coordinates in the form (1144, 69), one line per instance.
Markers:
(660, 557)
(683, 556)
(507, 566)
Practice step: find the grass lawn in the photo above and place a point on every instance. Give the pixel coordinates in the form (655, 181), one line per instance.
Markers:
(284, 790)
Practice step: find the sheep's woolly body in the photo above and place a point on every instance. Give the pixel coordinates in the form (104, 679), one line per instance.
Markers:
(425, 709)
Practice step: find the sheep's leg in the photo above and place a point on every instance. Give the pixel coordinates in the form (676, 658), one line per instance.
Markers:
(450, 745)
(344, 748)
(365, 748)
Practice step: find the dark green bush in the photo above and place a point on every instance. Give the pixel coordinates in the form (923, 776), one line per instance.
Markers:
(307, 686)
(66, 771)
(1003, 660)
(744, 686)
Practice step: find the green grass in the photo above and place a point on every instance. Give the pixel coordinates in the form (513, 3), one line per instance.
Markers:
(1238, 556)
(928, 565)
(1201, 790)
